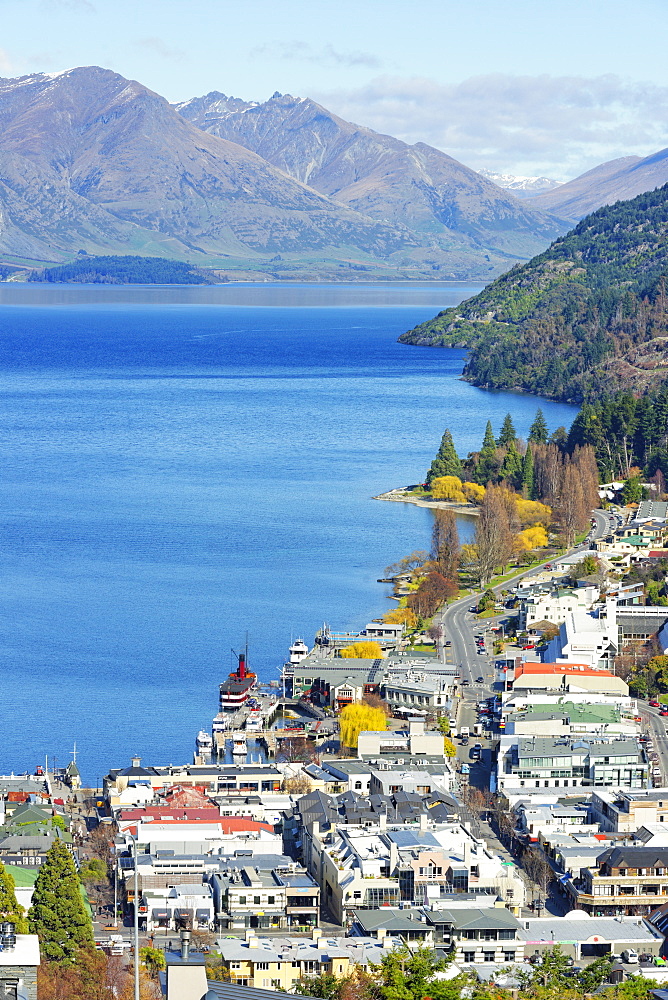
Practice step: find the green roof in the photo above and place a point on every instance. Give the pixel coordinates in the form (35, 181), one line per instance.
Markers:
(576, 712)
(24, 878)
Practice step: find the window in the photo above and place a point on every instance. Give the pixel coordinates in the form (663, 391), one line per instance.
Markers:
(262, 965)
(469, 956)
(488, 956)
(357, 894)
(509, 956)
(242, 900)
(256, 900)
(271, 900)
(358, 785)
(235, 965)
(506, 934)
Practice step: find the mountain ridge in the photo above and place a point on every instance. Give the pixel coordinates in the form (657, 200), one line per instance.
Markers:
(417, 186)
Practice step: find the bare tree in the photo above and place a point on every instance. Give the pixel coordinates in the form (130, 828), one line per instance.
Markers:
(445, 547)
(538, 868)
(493, 538)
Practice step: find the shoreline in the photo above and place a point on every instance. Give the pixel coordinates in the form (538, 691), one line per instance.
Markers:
(401, 495)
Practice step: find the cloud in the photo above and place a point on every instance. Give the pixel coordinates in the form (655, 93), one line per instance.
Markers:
(327, 55)
(5, 62)
(557, 126)
(161, 48)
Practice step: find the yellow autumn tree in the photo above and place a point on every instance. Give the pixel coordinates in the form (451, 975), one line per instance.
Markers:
(447, 488)
(363, 650)
(400, 616)
(356, 719)
(532, 538)
(449, 748)
(532, 512)
(474, 493)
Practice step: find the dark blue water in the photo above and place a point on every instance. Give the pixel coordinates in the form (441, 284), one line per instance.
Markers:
(182, 466)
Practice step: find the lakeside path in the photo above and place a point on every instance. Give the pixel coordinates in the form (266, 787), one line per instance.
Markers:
(403, 495)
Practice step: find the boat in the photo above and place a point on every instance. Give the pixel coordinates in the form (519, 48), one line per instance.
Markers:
(239, 745)
(236, 690)
(204, 742)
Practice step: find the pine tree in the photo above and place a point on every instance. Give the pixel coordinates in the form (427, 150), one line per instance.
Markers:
(538, 429)
(489, 441)
(527, 475)
(511, 467)
(508, 434)
(58, 914)
(9, 906)
(488, 463)
(447, 461)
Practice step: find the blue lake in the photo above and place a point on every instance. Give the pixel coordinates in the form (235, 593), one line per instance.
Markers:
(182, 466)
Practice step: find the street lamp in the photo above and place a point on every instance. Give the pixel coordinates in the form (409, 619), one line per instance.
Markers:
(136, 918)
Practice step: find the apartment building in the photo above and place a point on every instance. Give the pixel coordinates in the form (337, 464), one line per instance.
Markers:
(250, 897)
(625, 880)
(622, 810)
(530, 763)
(492, 934)
(278, 963)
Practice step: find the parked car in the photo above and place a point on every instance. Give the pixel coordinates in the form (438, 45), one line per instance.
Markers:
(630, 956)
(654, 703)
(480, 680)
(464, 741)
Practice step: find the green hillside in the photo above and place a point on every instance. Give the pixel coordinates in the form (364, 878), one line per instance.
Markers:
(125, 271)
(587, 316)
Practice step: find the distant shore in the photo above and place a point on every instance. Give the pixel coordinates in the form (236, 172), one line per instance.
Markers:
(403, 495)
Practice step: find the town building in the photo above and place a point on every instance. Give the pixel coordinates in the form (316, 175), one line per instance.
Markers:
(251, 897)
(483, 935)
(625, 880)
(279, 963)
(622, 810)
(581, 936)
(526, 764)
(19, 961)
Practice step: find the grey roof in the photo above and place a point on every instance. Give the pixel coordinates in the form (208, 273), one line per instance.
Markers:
(17, 842)
(635, 857)
(231, 991)
(390, 919)
(472, 919)
(582, 928)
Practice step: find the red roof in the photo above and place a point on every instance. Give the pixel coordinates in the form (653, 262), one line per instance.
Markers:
(166, 816)
(560, 668)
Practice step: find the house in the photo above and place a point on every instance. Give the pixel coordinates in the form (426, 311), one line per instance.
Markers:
(408, 925)
(563, 678)
(622, 810)
(411, 741)
(553, 607)
(591, 639)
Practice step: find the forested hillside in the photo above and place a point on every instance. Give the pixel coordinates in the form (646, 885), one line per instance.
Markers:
(587, 316)
(125, 271)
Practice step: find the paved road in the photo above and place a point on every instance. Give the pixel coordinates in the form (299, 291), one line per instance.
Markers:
(459, 625)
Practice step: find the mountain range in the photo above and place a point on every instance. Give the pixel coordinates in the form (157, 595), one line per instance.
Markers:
(616, 180)
(91, 161)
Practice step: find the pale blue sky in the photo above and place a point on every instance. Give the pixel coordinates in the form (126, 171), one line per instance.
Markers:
(550, 86)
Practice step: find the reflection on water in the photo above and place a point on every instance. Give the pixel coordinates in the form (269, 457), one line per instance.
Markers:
(273, 295)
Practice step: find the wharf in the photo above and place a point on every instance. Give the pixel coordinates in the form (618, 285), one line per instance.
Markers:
(231, 726)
